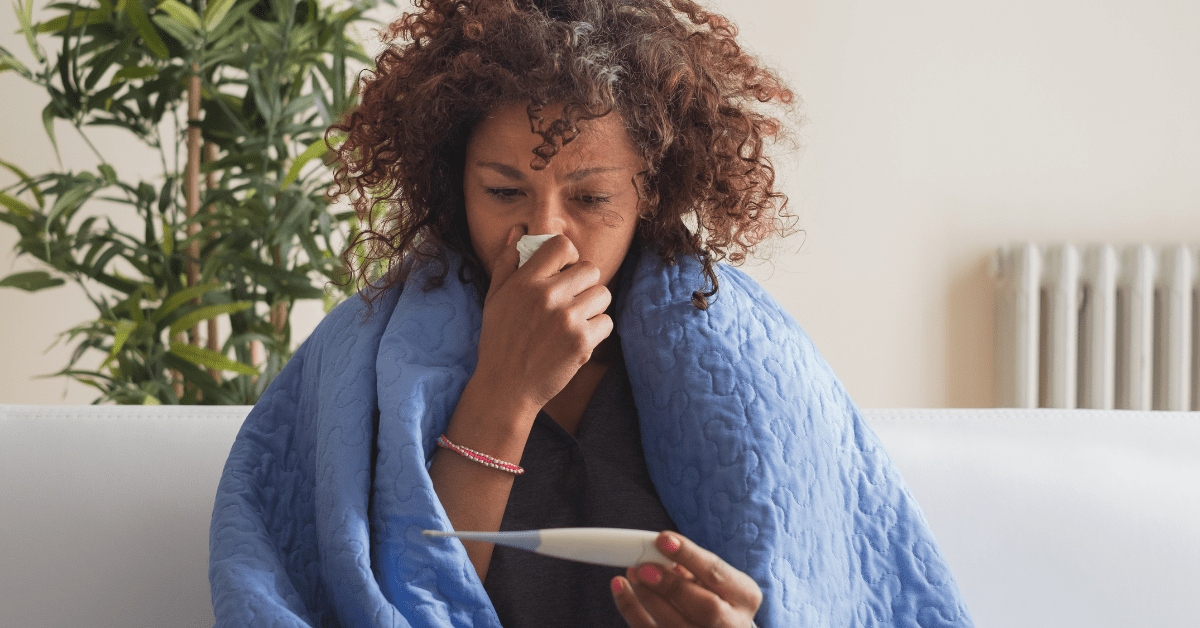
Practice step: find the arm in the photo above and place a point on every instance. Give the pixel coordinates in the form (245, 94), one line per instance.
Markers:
(539, 327)
(473, 495)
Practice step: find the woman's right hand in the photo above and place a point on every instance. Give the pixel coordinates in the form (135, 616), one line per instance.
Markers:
(540, 322)
(540, 326)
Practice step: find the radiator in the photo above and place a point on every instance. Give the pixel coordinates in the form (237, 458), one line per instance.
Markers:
(1098, 326)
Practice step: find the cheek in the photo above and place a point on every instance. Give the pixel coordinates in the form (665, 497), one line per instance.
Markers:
(484, 239)
(608, 248)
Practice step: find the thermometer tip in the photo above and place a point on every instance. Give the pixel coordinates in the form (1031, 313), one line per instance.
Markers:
(435, 533)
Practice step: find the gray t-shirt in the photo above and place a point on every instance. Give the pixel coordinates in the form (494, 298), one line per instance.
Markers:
(597, 478)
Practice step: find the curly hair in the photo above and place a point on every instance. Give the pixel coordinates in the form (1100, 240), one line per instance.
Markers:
(689, 96)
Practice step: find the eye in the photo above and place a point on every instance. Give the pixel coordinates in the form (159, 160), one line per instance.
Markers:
(593, 199)
(503, 194)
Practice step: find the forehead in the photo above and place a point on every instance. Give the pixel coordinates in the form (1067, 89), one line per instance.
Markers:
(507, 134)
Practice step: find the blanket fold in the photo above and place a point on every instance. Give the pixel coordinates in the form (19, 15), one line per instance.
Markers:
(754, 446)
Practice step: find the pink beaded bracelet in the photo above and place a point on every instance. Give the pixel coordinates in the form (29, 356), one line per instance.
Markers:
(479, 457)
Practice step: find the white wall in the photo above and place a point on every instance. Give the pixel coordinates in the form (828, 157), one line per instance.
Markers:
(937, 131)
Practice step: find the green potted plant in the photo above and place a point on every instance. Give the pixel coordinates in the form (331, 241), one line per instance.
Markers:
(193, 305)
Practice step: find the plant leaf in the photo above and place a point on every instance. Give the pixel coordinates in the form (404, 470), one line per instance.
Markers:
(31, 281)
(210, 359)
(25, 17)
(48, 122)
(179, 298)
(37, 194)
(81, 17)
(168, 238)
(134, 72)
(109, 174)
(69, 200)
(182, 13)
(137, 15)
(211, 311)
(9, 62)
(218, 29)
(17, 207)
(177, 29)
(215, 12)
(213, 393)
(314, 150)
(120, 335)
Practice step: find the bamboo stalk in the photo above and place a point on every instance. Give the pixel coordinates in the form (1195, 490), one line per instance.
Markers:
(279, 311)
(210, 183)
(191, 186)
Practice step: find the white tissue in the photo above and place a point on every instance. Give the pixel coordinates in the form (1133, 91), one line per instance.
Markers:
(528, 244)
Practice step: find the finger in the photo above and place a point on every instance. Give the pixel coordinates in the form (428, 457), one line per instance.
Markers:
(694, 603)
(660, 609)
(627, 603)
(593, 302)
(553, 256)
(731, 585)
(578, 277)
(600, 327)
(683, 572)
(505, 264)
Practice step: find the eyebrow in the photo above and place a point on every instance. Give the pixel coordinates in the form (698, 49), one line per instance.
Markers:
(579, 175)
(508, 171)
(517, 175)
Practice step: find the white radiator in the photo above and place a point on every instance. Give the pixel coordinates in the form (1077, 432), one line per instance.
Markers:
(1098, 326)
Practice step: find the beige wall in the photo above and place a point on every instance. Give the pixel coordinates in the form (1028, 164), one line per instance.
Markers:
(937, 131)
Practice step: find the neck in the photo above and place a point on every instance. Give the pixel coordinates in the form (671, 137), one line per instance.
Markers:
(567, 407)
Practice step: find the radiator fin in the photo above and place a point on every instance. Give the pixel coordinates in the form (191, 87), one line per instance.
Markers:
(1098, 326)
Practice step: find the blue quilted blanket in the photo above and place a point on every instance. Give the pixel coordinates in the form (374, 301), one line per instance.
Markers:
(754, 446)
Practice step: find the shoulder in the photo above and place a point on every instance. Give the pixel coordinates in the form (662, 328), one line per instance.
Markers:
(353, 319)
(661, 290)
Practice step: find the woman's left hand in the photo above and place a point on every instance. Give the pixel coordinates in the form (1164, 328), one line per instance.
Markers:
(701, 590)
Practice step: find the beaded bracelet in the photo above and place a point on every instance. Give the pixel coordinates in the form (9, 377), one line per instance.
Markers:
(479, 457)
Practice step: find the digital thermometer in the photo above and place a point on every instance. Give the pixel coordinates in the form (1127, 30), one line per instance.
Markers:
(615, 547)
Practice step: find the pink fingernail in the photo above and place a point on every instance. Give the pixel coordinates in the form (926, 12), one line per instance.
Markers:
(669, 544)
(650, 574)
(617, 587)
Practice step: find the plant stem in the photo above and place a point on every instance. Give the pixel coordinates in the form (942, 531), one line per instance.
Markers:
(191, 184)
(210, 183)
(92, 146)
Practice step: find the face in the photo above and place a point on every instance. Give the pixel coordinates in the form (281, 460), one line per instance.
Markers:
(586, 192)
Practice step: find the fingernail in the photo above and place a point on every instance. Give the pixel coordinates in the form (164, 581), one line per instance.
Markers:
(650, 574)
(669, 544)
(617, 587)
(512, 233)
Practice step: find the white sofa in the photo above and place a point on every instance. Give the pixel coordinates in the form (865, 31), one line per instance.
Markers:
(1048, 518)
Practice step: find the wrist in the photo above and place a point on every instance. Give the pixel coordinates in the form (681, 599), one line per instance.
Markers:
(492, 420)
(503, 391)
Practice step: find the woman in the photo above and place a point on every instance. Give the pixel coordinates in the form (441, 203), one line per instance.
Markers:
(638, 383)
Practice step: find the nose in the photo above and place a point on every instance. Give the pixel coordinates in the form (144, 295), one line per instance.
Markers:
(547, 216)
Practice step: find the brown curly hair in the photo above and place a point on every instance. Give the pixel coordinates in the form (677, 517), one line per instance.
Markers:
(688, 94)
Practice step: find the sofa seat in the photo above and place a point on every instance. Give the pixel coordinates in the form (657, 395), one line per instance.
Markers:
(1048, 518)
